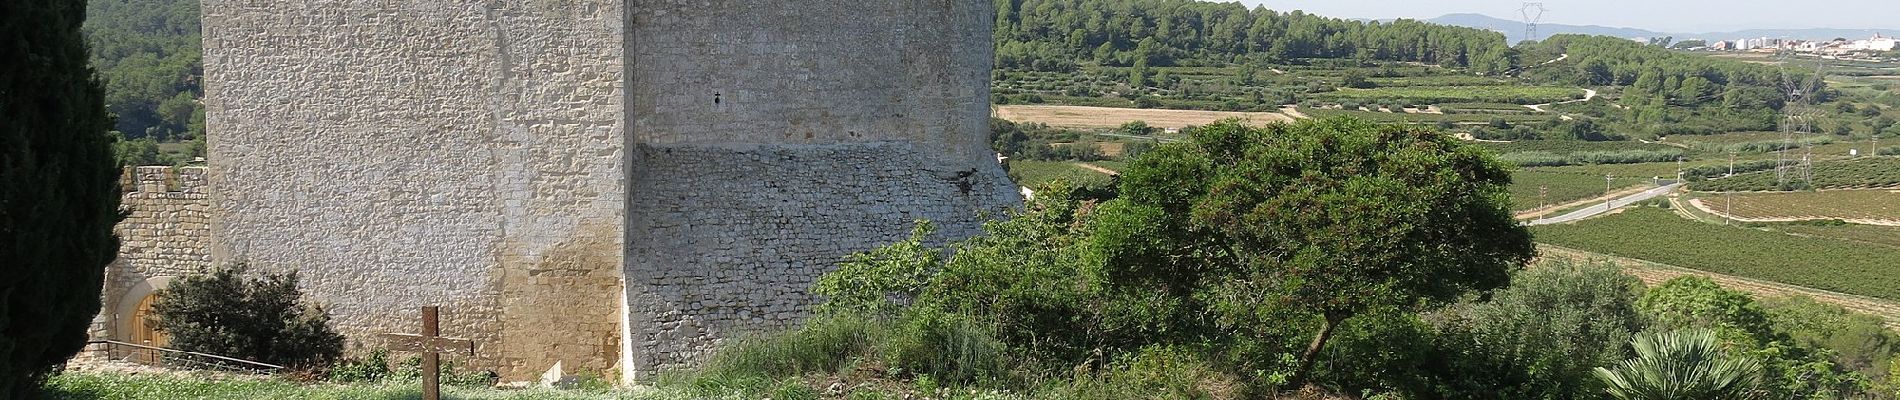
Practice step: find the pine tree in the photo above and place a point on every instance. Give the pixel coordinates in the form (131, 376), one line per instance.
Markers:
(58, 190)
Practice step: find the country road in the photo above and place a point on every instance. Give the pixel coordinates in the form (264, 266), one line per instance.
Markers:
(1592, 211)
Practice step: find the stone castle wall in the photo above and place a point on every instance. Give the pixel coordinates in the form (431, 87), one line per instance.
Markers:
(772, 139)
(403, 153)
(165, 234)
(556, 173)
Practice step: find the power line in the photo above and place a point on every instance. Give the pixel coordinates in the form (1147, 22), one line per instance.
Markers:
(1533, 13)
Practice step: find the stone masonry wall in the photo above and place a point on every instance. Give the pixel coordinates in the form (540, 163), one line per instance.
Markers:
(403, 153)
(771, 139)
(165, 233)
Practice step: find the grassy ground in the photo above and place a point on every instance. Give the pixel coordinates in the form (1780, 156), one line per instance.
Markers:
(1661, 236)
(1030, 173)
(76, 386)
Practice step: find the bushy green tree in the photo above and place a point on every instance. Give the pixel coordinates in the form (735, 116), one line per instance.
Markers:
(1541, 337)
(1321, 219)
(260, 318)
(1681, 365)
(1792, 369)
(59, 194)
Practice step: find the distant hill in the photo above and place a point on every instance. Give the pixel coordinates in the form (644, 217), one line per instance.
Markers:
(1514, 30)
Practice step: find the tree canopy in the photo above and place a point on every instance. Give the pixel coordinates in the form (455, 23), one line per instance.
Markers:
(1053, 35)
(59, 192)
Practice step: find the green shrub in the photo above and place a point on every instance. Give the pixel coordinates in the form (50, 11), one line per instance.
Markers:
(946, 347)
(1160, 372)
(261, 318)
(1686, 364)
(823, 344)
(1542, 336)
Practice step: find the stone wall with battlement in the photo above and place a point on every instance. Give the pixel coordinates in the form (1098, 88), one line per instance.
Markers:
(165, 233)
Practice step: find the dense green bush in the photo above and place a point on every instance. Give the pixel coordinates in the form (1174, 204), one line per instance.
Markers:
(1541, 337)
(260, 318)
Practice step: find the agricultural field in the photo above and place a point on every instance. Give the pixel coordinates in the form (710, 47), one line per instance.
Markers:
(1878, 204)
(1559, 188)
(1871, 234)
(1661, 236)
(1455, 94)
(1380, 116)
(1866, 172)
(1110, 118)
(1029, 173)
(1484, 108)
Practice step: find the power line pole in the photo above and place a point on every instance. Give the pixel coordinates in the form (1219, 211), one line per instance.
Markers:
(1543, 194)
(1533, 13)
(1607, 198)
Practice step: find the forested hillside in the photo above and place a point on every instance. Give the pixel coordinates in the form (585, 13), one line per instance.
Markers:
(147, 52)
(1668, 92)
(1056, 35)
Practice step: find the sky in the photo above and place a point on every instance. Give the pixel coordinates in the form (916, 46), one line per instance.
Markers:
(1673, 16)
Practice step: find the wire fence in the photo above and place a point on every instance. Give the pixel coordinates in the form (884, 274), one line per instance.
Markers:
(173, 358)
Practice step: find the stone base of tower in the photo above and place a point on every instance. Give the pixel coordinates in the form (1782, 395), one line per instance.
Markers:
(727, 240)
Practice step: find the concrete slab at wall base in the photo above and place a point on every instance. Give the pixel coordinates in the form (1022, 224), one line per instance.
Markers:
(595, 184)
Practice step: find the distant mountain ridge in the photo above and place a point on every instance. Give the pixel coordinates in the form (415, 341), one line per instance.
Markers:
(1514, 30)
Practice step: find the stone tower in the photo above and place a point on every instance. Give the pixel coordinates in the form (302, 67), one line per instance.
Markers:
(589, 184)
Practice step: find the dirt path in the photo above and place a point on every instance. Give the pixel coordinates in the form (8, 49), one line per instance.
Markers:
(1108, 117)
(1294, 112)
(1653, 274)
(1097, 168)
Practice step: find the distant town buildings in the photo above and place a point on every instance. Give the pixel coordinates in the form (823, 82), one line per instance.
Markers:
(1837, 47)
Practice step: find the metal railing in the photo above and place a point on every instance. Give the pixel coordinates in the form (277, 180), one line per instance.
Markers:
(174, 358)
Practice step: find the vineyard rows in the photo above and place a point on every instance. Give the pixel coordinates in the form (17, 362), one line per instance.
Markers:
(1661, 236)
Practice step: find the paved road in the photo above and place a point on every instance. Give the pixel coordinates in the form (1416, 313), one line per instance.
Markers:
(1592, 211)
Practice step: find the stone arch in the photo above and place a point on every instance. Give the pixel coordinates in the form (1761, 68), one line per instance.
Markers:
(125, 311)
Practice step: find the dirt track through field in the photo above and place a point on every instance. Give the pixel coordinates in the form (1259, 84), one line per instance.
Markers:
(1654, 274)
(1105, 117)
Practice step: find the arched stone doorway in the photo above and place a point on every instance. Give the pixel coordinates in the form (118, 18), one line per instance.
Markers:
(136, 322)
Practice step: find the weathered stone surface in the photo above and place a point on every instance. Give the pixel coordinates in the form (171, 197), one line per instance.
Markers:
(593, 183)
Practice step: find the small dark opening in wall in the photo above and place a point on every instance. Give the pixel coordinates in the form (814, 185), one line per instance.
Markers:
(716, 98)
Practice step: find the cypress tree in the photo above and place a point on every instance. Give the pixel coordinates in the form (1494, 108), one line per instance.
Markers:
(59, 195)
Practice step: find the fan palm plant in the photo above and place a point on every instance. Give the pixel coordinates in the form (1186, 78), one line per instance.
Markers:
(1681, 365)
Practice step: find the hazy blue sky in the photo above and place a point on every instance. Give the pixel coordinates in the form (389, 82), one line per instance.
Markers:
(1694, 16)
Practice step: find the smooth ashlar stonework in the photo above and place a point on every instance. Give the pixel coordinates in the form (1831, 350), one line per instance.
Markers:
(598, 184)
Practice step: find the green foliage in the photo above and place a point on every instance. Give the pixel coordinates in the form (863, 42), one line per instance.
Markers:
(375, 367)
(1057, 34)
(259, 318)
(1137, 128)
(880, 282)
(1541, 337)
(1160, 372)
(148, 54)
(1681, 365)
(59, 192)
(1859, 343)
(1697, 302)
(1255, 223)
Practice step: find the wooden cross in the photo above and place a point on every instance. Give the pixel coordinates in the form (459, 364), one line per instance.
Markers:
(431, 344)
